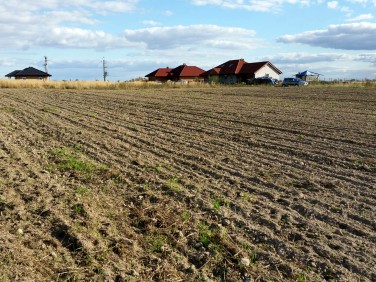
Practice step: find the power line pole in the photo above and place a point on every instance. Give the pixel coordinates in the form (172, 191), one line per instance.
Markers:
(45, 64)
(105, 73)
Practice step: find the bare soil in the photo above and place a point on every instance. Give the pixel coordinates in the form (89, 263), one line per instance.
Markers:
(211, 184)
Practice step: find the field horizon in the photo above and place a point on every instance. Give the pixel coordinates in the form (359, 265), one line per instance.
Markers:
(141, 84)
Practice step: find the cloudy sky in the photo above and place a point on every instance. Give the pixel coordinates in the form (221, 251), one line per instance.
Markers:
(334, 38)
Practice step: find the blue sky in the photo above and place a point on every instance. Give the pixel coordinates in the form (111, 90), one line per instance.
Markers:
(334, 38)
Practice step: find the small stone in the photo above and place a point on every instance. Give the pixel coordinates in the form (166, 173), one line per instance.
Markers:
(245, 262)
(53, 254)
(164, 248)
(20, 231)
(135, 273)
(225, 222)
(198, 245)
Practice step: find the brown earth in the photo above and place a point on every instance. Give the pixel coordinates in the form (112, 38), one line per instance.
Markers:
(214, 184)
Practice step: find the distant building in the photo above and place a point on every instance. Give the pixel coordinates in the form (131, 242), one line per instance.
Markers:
(308, 75)
(238, 71)
(161, 75)
(180, 73)
(28, 73)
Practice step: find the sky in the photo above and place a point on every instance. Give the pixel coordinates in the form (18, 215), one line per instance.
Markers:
(135, 37)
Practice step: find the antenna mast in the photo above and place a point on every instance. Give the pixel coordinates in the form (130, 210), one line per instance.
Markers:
(105, 73)
(45, 64)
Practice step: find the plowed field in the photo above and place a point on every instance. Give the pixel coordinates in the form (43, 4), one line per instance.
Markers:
(211, 184)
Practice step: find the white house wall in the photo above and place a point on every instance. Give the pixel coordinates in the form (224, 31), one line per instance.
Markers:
(267, 71)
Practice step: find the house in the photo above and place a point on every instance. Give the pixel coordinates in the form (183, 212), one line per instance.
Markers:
(237, 71)
(308, 75)
(29, 73)
(162, 75)
(187, 73)
(182, 73)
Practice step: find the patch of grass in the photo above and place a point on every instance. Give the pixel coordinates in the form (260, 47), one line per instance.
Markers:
(90, 114)
(205, 237)
(156, 242)
(173, 184)
(211, 238)
(186, 215)
(253, 257)
(218, 203)
(78, 209)
(49, 109)
(66, 160)
(301, 277)
(9, 109)
(158, 168)
(82, 190)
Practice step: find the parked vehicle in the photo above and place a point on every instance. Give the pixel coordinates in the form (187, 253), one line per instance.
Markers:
(262, 80)
(293, 81)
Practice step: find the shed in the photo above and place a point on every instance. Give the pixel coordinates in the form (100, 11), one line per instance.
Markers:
(308, 75)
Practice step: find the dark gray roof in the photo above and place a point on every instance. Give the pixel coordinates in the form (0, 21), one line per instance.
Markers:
(13, 73)
(30, 71)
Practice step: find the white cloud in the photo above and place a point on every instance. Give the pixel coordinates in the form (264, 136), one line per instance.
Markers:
(24, 24)
(252, 5)
(7, 62)
(151, 23)
(332, 5)
(361, 18)
(368, 58)
(353, 36)
(81, 38)
(168, 13)
(193, 36)
(306, 58)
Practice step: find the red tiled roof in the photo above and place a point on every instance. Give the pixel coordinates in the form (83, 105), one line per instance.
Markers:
(213, 71)
(239, 67)
(254, 67)
(187, 71)
(231, 67)
(161, 72)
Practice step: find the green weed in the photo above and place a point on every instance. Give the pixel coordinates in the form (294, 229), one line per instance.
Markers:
(218, 203)
(67, 161)
(186, 215)
(92, 114)
(301, 277)
(78, 209)
(82, 190)
(174, 185)
(156, 243)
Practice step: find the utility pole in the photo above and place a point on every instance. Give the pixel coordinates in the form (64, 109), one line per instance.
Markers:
(104, 70)
(45, 64)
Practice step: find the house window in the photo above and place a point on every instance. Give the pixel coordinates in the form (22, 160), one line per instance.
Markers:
(40, 78)
(266, 75)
